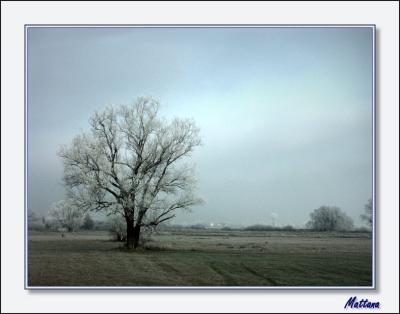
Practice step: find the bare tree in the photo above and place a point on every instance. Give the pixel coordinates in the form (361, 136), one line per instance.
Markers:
(66, 214)
(130, 163)
(34, 221)
(367, 217)
(328, 218)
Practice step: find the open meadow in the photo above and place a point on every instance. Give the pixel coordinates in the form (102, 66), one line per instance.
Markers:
(190, 257)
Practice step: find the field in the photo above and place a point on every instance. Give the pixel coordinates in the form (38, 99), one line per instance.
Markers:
(191, 257)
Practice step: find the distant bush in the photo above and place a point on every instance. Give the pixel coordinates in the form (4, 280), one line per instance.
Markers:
(259, 228)
(198, 226)
(227, 228)
(328, 218)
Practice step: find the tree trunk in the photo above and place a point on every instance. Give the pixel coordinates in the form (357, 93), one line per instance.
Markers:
(129, 234)
(136, 236)
(132, 235)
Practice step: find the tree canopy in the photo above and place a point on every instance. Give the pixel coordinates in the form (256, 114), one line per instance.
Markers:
(131, 163)
(327, 218)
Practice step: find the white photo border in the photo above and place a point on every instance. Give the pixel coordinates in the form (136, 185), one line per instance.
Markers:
(15, 15)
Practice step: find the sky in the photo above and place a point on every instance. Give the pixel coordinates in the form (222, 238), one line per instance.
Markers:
(285, 113)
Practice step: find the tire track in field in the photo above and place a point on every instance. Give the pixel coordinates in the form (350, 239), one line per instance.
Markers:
(227, 279)
(168, 268)
(257, 274)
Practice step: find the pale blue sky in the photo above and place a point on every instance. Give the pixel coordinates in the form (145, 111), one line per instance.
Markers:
(285, 113)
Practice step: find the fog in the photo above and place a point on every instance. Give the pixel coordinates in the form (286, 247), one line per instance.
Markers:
(285, 113)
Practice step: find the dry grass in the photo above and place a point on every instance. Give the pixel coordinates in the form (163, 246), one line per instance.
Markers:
(203, 258)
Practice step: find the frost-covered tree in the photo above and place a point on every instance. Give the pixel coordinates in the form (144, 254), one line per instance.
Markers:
(328, 218)
(66, 214)
(131, 163)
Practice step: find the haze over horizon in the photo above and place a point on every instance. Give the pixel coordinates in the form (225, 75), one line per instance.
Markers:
(285, 113)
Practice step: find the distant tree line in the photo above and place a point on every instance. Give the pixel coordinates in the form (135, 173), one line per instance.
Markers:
(115, 224)
(259, 227)
(64, 216)
(65, 220)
